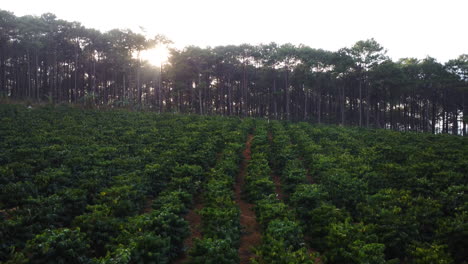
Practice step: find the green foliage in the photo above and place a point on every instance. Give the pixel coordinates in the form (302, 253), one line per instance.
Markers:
(452, 231)
(283, 239)
(149, 248)
(318, 221)
(308, 197)
(158, 176)
(353, 243)
(287, 230)
(270, 208)
(15, 193)
(221, 222)
(185, 177)
(276, 251)
(258, 182)
(259, 188)
(163, 223)
(99, 225)
(126, 179)
(173, 201)
(213, 251)
(399, 218)
(220, 215)
(395, 225)
(293, 175)
(344, 190)
(122, 200)
(401, 185)
(122, 255)
(58, 246)
(430, 253)
(52, 180)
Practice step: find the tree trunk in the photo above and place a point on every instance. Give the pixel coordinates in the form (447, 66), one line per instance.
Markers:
(243, 91)
(455, 123)
(433, 125)
(36, 81)
(465, 112)
(29, 74)
(306, 95)
(286, 89)
(368, 103)
(200, 96)
(229, 87)
(75, 99)
(138, 79)
(93, 82)
(343, 104)
(275, 103)
(360, 101)
(2, 71)
(160, 101)
(319, 105)
(391, 113)
(377, 115)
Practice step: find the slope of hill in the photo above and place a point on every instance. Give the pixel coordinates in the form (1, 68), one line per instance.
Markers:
(86, 186)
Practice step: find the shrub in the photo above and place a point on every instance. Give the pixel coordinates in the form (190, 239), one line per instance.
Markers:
(58, 246)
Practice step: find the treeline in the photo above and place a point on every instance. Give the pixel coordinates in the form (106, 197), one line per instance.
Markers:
(43, 58)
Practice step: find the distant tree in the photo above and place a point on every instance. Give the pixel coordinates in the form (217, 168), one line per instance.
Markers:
(459, 67)
(47, 59)
(366, 55)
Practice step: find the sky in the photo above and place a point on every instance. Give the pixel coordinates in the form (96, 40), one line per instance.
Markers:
(406, 28)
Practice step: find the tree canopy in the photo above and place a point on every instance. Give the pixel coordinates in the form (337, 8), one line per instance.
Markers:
(48, 59)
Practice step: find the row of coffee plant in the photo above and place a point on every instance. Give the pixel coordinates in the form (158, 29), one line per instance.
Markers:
(80, 184)
(383, 194)
(221, 228)
(282, 236)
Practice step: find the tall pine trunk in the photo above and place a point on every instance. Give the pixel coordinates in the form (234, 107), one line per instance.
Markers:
(343, 105)
(306, 95)
(360, 101)
(287, 94)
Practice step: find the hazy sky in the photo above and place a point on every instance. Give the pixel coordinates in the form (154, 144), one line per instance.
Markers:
(407, 28)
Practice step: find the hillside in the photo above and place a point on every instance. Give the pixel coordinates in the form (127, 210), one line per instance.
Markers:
(47, 59)
(88, 186)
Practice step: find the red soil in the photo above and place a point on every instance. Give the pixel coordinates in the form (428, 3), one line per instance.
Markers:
(194, 220)
(279, 192)
(308, 176)
(148, 208)
(276, 178)
(250, 236)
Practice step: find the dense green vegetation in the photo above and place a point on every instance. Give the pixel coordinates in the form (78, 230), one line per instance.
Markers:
(88, 186)
(116, 183)
(49, 59)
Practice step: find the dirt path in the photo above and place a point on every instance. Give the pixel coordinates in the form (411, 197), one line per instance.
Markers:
(148, 208)
(276, 179)
(250, 236)
(308, 176)
(279, 192)
(194, 220)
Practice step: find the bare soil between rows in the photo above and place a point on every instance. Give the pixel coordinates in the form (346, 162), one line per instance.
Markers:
(194, 220)
(250, 236)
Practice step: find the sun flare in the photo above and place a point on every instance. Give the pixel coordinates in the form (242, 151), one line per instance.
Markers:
(156, 56)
